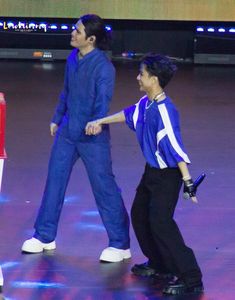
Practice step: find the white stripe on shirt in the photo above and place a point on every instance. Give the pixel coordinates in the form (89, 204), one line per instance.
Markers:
(136, 112)
(167, 124)
(161, 162)
(160, 135)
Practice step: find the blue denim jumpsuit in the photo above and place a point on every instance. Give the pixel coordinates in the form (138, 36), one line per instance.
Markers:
(88, 89)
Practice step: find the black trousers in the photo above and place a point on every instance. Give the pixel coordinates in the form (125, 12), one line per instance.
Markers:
(152, 216)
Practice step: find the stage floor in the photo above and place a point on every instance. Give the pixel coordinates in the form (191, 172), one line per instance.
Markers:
(205, 96)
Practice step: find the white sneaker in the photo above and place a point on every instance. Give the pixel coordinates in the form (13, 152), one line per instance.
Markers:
(35, 246)
(111, 254)
(1, 279)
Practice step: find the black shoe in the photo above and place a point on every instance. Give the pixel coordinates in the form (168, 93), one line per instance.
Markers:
(164, 276)
(180, 288)
(144, 270)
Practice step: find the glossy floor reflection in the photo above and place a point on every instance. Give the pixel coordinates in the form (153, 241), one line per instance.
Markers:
(205, 98)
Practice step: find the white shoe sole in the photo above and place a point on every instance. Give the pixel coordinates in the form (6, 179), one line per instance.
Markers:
(35, 246)
(112, 255)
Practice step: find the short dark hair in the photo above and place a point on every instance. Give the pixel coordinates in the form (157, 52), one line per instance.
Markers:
(94, 25)
(160, 66)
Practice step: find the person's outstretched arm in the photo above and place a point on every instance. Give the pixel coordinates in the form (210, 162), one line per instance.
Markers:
(93, 127)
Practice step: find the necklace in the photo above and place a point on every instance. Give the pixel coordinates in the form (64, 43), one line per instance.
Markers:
(156, 98)
(147, 106)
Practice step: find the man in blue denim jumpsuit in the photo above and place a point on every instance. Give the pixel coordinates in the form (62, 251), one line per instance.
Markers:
(88, 89)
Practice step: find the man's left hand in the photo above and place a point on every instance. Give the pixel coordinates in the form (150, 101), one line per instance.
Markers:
(93, 128)
(190, 190)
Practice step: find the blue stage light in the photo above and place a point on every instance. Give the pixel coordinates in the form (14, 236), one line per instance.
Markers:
(36, 284)
(211, 29)
(90, 213)
(3, 199)
(9, 264)
(64, 27)
(200, 29)
(108, 28)
(34, 25)
(90, 226)
(71, 199)
(215, 29)
(54, 27)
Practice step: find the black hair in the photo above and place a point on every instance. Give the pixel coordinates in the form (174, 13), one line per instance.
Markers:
(94, 25)
(160, 66)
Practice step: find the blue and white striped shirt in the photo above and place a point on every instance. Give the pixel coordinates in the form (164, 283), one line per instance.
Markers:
(158, 132)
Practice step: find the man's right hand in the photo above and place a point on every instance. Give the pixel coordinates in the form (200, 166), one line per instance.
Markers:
(53, 128)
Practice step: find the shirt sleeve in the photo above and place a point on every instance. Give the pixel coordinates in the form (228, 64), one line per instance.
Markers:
(129, 115)
(62, 104)
(104, 90)
(172, 144)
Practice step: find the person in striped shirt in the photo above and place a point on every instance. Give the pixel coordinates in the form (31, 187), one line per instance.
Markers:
(155, 121)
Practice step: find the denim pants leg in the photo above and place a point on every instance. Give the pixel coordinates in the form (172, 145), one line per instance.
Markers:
(63, 156)
(97, 160)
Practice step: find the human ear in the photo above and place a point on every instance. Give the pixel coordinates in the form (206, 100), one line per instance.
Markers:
(92, 38)
(156, 80)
